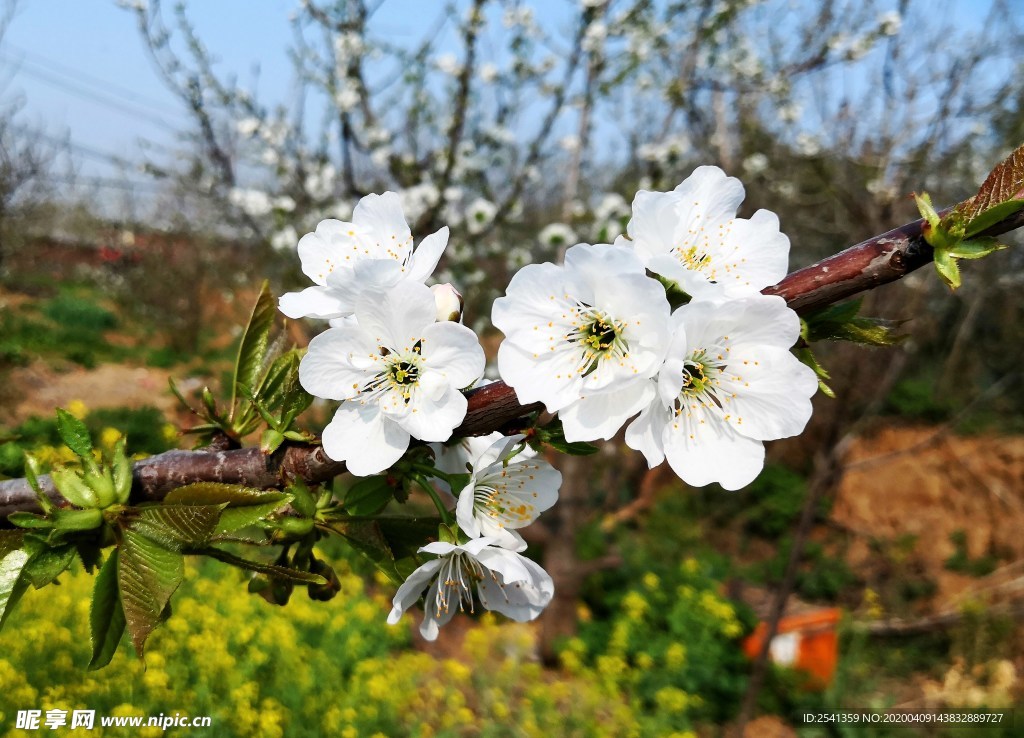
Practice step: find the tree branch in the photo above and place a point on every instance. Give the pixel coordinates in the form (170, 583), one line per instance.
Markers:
(869, 264)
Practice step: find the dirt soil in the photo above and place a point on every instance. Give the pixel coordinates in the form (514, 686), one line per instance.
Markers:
(925, 483)
(40, 389)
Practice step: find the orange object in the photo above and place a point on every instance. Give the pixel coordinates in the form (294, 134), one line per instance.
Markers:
(808, 642)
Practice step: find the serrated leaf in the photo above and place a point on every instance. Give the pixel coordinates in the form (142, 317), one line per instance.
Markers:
(368, 496)
(177, 527)
(10, 540)
(947, 268)
(366, 537)
(106, 616)
(74, 433)
(272, 570)
(992, 216)
(236, 518)
(253, 349)
(270, 441)
(147, 576)
(12, 585)
(302, 498)
(975, 248)
(1003, 184)
(217, 493)
(405, 535)
(806, 356)
(29, 520)
(77, 519)
(573, 448)
(841, 323)
(272, 388)
(73, 488)
(48, 564)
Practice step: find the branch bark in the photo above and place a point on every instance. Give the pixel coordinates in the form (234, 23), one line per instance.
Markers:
(867, 265)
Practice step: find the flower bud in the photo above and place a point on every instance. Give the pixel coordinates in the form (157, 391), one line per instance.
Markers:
(449, 303)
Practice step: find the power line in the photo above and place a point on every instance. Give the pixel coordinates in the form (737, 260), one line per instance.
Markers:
(128, 94)
(92, 96)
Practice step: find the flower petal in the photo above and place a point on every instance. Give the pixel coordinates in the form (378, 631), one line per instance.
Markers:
(454, 351)
(769, 392)
(711, 451)
(645, 433)
(412, 588)
(382, 215)
(335, 366)
(600, 415)
(396, 320)
(364, 439)
(314, 302)
(427, 254)
(434, 418)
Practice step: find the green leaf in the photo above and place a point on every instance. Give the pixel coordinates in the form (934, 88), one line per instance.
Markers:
(29, 520)
(807, 357)
(48, 564)
(217, 493)
(177, 527)
(369, 496)
(32, 473)
(235, 518)
(554, 435)
(74, 433)
(975, 248)
(147, 576)
(270, 441)
(366, 537)
(10, 540)
(12, 584)
(253, 349)
(841, 323)
(947, 268)
(1004, 184)
(992, 216)
(274, 387)
(106, 616)
(272, 570)
(72, 486)
(302, 498)
(77, 519)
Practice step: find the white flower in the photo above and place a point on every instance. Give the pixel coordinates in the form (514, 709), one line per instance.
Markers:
(284, 239)
(505, 493)
(398, 373)
(584, 337)
(692, 236)
(458, 457)
(247, 127)
(755, 163)
(556, 234)
(371, 254)
(479, 214)
(728, 383)
(889, 24)
(505, 582)
(255, 203)
(488, 72)
(447, 63)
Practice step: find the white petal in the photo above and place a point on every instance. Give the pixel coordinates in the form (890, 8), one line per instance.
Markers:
(325, 250)
(600, 415)
(335, 366)
(412, 588)
(464, 513)
(397, 318)
(711, 452)
(439, 548)
(314, 302)
(768, 393)
(711, 193)
(550, 378)
(366, 441)
(454, 351)
(432, 619)
(520, 600)
(598, 262)
(383, 216)
(645, 433)
(434, 419)
(367, 276)
(427, 254)
(756, 253)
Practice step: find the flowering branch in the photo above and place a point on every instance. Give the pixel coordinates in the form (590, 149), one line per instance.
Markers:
(867, 265)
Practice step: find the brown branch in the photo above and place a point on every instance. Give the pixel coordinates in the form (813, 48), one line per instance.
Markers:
(867, 265)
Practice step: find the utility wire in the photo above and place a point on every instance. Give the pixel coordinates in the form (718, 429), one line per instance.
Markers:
(92, 96)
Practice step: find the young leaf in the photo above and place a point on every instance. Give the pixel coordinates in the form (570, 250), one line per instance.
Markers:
(29, 520)
(48, 564)
(947, 268)
(147, 576)
(253, 349)
(841, 323)
(178, 526)
(1004, 184)
(365, 536)
(368, 496)
(77, 519)
(217, 493)
(106, 616)
(72, 486)
(74, 433)
(235, 518)
(12, 584)
(976, 248)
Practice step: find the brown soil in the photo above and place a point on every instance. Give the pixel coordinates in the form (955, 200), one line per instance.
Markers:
(40, 389)
(920, 482)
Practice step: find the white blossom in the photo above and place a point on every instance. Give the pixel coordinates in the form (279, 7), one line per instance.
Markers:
(448, 302)
(447, 63)
(693, 237)
(284, 240)
(371, 254)
(254, 203)
(890, 23)
(556, 234)
(504, 581)
(398, 374)
(729, 382)
(506, 492)
(755, 163)
(584, 337)
(488, 72)
(480, 214)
